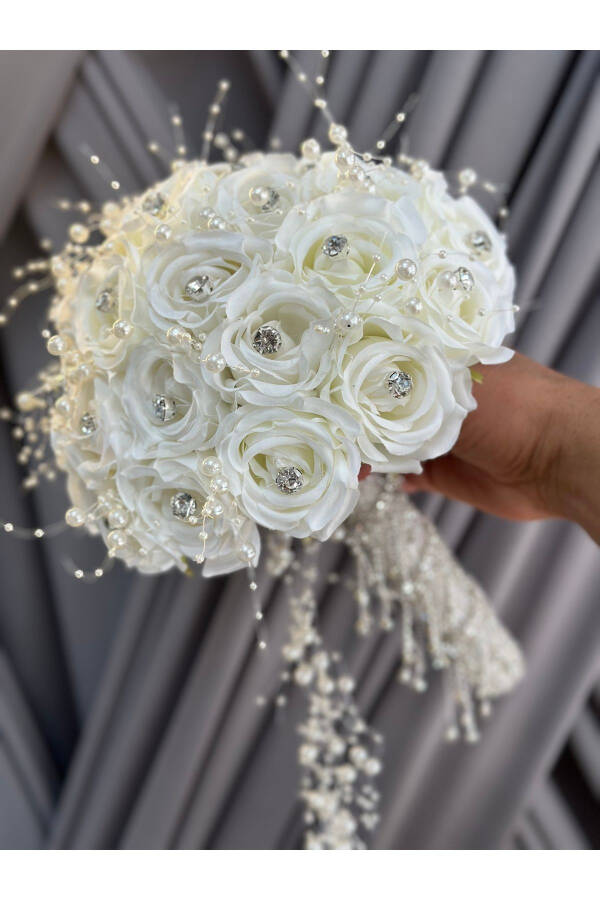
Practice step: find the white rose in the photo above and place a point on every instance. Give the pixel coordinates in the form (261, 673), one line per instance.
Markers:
(256, 196)
(146, 493)
(272, 306)
(375, 233)
(462, 302)
(311, 448)
(219, 261)
(159, 404)
(406, 423)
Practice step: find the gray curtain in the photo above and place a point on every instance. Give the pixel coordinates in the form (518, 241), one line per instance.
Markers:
(127, 709)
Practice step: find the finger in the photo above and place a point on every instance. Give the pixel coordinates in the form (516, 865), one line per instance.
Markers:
(365, 470)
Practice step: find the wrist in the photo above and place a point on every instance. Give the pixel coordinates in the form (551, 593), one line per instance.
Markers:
(572, 484)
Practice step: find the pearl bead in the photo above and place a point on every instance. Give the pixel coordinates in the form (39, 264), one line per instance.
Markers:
(310, 149)
(116, 539)
(467, 177)
(219, 484)
(175, 335)
(213, 508)
(303, 675)
(413, 306)
(215, 362)
(122, 328)
(79, 233)
(118, 518)
(211, 465)
(246, 553)
(358, 755)
(372, 766)
(337, 133)
(62, 406)
(74, 517)
(406, 269)
(57, 345)
(163, 233)
(347, 323)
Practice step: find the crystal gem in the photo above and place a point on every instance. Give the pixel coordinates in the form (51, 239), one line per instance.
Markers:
(335, 245)
(267, 340)
(464, 279)
(268, 200)
(480, 243)
(198, 287)
(164, 407)
(105, 301)
(153, 204)
(183, 506)
(87, 424)
(400, 384)
(289, 479)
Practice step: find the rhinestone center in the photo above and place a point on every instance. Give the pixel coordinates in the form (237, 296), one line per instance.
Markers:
(183, 506)
(267, 340)
(480, 243)
(289, 479)
(399, 384)
(464, 279)
(164, 407)
(335, 245)
(153, 204)
(198, 288)
(87, 424)
(105, 301)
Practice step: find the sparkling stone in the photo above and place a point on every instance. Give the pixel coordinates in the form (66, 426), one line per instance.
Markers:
(266, 198)
(105, 301)
(335, 245)
(464, 279)
(183, 506)
(480, 243)
(198, 288)
(164, 407)
(289, 479)
(267, 340)
(406, 269)
(153, 204)
(87, 424)
(399, 384)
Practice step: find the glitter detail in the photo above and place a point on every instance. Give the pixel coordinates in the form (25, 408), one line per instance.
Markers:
(154, 204)
(183, 506)
(105, 301)
(289, 479)
(335, 245)
(198, 288)
(87, 424)
(480, 243)
(464, 279)
(400, 384)
(164, 407)
(267, 340)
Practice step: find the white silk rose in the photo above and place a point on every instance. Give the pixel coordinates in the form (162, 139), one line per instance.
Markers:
(187, 282)
(269, 333)
(342, 239)
(293, 469)
(396, 383)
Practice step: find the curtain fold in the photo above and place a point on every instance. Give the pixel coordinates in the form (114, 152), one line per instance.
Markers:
(138, 697)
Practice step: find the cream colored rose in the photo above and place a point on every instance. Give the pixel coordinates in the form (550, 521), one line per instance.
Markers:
(258, 195)
(188, 281)
(292, 469)
(397, 385)
(269, 332)
(342, 238)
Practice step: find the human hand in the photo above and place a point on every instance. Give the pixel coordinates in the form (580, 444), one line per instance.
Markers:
(531, 449)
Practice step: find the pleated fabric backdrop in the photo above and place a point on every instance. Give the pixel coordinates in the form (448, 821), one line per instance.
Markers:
(127, 708)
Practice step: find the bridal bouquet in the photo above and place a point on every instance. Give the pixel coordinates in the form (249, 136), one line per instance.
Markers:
(245, 335)
(229, 349)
